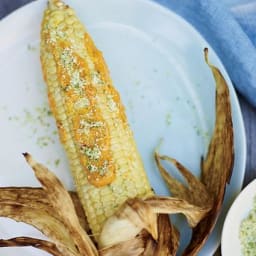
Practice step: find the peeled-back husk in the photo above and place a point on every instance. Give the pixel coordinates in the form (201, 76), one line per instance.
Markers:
(218, 165)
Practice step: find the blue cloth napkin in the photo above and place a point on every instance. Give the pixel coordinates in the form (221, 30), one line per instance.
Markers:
(230, 28)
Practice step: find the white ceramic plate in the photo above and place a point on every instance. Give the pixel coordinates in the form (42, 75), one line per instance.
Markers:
(230, 242)
(156, 62)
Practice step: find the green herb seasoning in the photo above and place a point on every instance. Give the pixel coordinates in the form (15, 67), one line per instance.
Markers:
(247, 233)
(57, 162)
(168, 119)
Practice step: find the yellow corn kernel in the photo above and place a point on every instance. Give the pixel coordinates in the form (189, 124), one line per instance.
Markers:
(90, 117)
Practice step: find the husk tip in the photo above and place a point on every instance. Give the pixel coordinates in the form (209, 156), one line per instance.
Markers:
(206, 54)
(28, 158)
(26, 155)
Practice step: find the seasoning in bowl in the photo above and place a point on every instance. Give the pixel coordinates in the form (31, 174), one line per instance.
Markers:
(247, 232)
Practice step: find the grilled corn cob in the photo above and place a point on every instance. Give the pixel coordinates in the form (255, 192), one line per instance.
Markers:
(90, 117)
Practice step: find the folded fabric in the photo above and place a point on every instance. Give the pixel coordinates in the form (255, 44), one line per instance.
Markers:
(245, 14)
(230, 28)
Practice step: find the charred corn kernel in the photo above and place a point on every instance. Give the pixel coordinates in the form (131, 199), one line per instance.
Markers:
(90, 117)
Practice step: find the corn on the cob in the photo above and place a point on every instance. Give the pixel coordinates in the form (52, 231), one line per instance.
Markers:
(90, 117)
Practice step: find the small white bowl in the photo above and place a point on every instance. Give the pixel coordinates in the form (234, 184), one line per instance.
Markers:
(230, 242)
